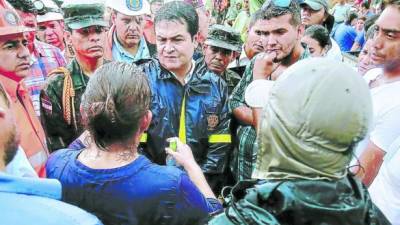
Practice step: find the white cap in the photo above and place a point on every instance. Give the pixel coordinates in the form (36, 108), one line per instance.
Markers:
(257, 93)
(53, 12)
(130, 7)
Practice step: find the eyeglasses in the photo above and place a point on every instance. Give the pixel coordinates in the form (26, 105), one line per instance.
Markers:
(278, 3)
(90, 30)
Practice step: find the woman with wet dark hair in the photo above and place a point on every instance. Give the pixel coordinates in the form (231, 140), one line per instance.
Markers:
(317, 39)
(109, 177)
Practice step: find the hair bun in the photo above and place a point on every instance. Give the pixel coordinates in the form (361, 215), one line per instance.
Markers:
(110, 109)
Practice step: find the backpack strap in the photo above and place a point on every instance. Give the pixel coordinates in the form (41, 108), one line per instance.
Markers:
(68, 96)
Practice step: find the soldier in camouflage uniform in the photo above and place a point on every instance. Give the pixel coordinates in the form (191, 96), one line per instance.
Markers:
(219, 50)
(60, 99)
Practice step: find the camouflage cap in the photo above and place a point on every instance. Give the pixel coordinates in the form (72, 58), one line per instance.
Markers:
(224, 37)
(79, 14)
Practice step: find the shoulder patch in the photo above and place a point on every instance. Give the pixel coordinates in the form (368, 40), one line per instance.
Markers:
(46, 105)
(212, 121)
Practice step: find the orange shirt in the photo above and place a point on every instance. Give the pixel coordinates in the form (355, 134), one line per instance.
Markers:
(31, 133)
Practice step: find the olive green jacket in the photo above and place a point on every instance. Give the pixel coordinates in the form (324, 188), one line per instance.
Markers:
(342, 202)
(59, 132)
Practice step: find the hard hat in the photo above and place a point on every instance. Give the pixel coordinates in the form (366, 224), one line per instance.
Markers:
(10, 23)
(130, 7)
(47, 11)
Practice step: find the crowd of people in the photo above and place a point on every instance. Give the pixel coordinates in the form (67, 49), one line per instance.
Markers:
(192, 112)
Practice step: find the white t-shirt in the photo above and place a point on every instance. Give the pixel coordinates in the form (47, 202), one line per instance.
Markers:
(20, 165)
(372, 74)
(385, 190)
(386, 121)
(334, 52)
(386, 105)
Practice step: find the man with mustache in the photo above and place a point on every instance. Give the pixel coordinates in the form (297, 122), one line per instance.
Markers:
(24, 200)
(219, 50)
(51, 27)
(125, 40)
(44, 57)
(60, 98)
(385, 89)
(15, 66)
(281, 32)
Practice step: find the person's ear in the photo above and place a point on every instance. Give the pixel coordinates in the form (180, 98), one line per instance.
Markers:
(67, 37)
(325, 50)
(2, 112)
(145, 122)
(83, 115)
(196, 40)
(204, 47)
(300, 31)
(113, 17)
(234, 55)
(325, 17)
(62, 24)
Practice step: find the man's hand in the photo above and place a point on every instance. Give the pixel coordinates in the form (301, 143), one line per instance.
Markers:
(370, 161)
(264, 65)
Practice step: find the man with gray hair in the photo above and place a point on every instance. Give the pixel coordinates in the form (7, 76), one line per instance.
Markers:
(219, 50)
(125, 39)
(51, 27)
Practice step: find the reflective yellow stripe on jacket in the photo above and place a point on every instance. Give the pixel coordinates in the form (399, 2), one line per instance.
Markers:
(212, 139)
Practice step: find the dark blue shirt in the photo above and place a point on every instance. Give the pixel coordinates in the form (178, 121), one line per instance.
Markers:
(344, 36)
(138, 193)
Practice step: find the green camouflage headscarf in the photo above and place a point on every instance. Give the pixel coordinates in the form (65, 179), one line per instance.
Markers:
(319, 109)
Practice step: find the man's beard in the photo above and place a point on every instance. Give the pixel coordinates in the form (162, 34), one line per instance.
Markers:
(286, 59)
(11, 147)
(392, 66)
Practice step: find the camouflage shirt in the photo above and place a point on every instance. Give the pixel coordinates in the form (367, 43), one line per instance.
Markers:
(229, 76)
(59, 133)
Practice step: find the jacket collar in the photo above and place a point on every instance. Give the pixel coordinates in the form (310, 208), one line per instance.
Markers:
(11, 86)
(166, 74)
(197, 83)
